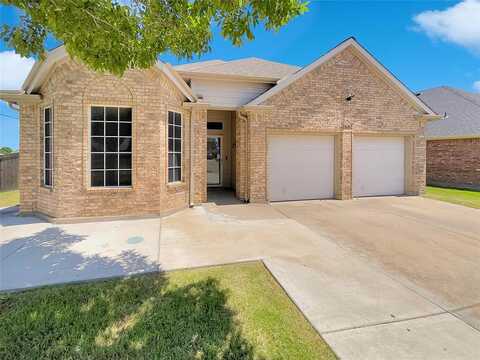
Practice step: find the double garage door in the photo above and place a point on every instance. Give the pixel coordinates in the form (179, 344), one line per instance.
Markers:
(302, 167)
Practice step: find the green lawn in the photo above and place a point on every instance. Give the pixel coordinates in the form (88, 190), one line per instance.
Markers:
(9, 198)
(462, 197)
(225, 312)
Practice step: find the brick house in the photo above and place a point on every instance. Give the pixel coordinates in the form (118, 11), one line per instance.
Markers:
(153, 141)
(453, 144)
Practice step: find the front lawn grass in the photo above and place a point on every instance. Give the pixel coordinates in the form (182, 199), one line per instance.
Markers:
(9, 198)
(224, 312)
(456, 196)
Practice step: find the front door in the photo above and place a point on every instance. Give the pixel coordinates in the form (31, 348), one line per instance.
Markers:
(214, 161)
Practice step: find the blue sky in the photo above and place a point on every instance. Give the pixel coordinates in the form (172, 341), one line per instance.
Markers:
(424, 43)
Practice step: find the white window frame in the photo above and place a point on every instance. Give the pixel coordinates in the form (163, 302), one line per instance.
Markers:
(90, 169)
(44, 168)
(175, 152)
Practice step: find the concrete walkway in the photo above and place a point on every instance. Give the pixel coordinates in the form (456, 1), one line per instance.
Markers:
(378, 278)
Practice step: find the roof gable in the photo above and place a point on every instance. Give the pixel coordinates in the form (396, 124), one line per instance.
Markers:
(40, 70)
(366, 57)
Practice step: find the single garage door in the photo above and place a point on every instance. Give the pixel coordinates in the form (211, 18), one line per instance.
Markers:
(300, 167)
(378, 166)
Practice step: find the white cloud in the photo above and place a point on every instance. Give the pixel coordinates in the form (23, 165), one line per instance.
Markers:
(459, 24)
(476, 86)
(13, 70)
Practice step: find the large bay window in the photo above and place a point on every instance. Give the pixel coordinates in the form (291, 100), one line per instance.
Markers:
(110, 146)
(174, 147)
(48, 147)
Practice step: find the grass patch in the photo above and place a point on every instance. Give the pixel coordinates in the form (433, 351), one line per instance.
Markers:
(225, 312)
(9, 198)
(468, 198)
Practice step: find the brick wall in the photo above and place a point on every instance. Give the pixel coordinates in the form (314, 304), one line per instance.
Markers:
(71, 90)
(454, 163)
(316, 103)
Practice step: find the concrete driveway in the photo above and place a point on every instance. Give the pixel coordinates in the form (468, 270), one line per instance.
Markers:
(379, 278)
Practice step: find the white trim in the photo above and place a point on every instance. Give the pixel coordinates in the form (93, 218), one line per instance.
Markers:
(170, 72)
(19, 97)
(339, 48)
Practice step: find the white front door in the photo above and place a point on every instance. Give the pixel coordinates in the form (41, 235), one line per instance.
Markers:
(378, 165)
(214, 161)
(300, 167)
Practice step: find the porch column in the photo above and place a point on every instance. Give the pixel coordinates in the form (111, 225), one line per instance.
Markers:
(343, 165)
(199, 153)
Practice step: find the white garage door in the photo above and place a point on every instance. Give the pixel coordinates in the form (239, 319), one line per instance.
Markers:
(300, 167)
(378, 166)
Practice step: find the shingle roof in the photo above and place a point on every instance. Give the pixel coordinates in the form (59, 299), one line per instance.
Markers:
(197, 65)
(251, 67)
(462, 109)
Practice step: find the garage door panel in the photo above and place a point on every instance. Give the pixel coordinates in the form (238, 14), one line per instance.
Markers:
(300, 167)
(378, 166)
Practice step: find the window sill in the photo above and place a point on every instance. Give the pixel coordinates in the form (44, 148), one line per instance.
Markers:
(110, 189)
(176, 184)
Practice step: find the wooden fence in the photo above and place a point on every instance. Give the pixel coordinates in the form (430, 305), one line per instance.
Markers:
(9, 171)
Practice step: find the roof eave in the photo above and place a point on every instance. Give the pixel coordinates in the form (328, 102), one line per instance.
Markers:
(19, 97)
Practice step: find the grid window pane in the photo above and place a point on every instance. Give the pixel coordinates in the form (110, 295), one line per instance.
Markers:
(97, 161)
(170, 118)
(178, 145)
(48, 161)
(111, 161)
(178, 132)
(125, 145)
(111, 129)
(125, 161)
(125, 177)
(47, 144)
(125, 129)
(48, 177)
(111, 146)
(178, 119)
(97, 113)
(126, 114)
(97, 128)
(111, 178)
(97, 144)
(111, 114)
(48, 127)
(98, 178)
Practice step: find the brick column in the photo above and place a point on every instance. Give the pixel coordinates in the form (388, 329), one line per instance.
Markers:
(343, 165)
(241, 155)
(29, 159)
(199, 158)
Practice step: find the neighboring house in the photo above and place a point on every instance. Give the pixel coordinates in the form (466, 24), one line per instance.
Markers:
(152, 141)
(453, 144)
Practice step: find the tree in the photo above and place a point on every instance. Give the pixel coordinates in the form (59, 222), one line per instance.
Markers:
(118, 35)
(5, 150)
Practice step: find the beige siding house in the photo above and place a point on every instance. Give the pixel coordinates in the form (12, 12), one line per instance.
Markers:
(153, 141)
